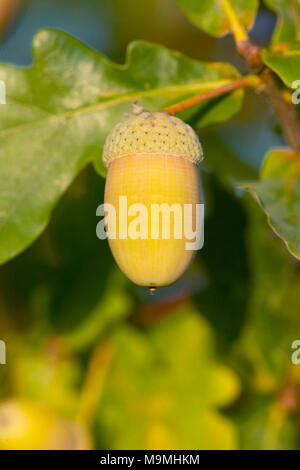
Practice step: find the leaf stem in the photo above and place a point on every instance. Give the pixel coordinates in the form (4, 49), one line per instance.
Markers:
(237, 29)
(263, 79)
(249, 80)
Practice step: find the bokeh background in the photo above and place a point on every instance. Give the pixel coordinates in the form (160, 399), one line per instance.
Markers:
(95, 362)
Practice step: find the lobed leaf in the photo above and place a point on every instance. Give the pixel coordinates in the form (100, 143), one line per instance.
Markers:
(59, 112)
(210, 15)
(278, 193)
(285, 62)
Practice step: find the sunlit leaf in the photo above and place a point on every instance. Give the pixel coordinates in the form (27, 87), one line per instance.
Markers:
(288, 21)
(285, 62)
(210, 15)
(284, 54)
(165, 389)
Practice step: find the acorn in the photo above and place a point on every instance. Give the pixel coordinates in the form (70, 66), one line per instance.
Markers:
(152, 161)
(26, 425)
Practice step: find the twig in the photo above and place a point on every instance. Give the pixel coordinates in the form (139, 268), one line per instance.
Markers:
(249, 80)
(252, 54)
(286, 112)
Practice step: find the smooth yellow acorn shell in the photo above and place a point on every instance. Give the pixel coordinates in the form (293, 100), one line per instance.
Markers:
(165, 173)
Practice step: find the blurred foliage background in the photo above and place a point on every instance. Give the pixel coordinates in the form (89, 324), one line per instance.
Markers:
(93, 361)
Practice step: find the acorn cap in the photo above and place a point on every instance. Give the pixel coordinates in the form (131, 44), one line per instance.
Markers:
(156, 133)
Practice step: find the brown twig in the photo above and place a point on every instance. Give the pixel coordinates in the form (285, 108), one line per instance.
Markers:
(252, 55)
(249, 80)
(264, 81)
(284, 110)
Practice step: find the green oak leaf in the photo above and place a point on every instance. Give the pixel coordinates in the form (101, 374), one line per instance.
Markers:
(285, 62)
(284, 55)
(263, 351)
(59, 112)
(278, 193)
(210, 15)
(269, 325)
(165, 388)
(288, 21)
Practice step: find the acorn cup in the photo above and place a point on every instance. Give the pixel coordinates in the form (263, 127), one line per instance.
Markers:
(152, 175)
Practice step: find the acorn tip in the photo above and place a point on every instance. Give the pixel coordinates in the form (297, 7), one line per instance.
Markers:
(137, 109)
(152, 290)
